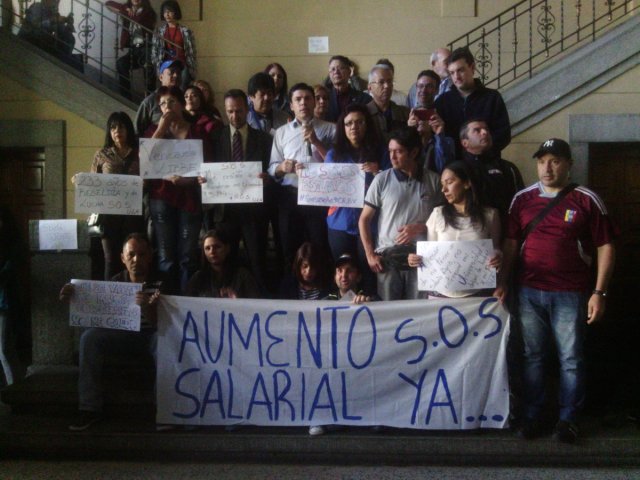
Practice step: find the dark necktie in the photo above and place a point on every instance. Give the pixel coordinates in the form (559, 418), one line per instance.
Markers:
(237, 147)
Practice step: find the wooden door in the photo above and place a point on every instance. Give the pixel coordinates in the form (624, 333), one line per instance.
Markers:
(22, 174)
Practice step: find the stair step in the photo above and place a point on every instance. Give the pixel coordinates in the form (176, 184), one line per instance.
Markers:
(54, 390)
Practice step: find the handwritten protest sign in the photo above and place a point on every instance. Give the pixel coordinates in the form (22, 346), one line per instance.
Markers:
(105, 305)
(161, 158)
(457, 265)
(331, 184)
(58, 234)
(232, 182)
(437, 364)
(104, 193)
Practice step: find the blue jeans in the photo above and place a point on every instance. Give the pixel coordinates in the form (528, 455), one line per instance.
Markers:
(561, 317)
(176, 236)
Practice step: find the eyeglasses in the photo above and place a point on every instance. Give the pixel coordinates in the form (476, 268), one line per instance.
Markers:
(352, 123)
(167, 103)
(383, 83)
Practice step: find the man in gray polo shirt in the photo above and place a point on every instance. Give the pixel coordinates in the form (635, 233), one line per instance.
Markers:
(403, 197)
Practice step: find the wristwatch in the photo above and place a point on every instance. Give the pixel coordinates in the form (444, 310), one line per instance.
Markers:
(602, 293)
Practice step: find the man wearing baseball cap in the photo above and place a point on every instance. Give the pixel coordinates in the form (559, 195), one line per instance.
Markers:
(348, 277)
(553, 229)
(149, 110)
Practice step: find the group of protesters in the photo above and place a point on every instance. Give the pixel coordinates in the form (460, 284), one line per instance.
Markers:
(433, 172)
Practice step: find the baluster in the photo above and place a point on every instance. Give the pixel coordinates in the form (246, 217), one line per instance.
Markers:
(609, 4)
(562, 26)
(593, 20)
(515, 43)
(530, 38)
(546, 26)
(578, 11)
(499, 50)
(117, 37)
(101, 55)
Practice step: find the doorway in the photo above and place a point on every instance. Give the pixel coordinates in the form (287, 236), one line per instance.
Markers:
(22, 172)
(614, 173)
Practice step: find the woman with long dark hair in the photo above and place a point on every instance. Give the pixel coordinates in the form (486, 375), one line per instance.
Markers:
(174, 41)
(356, 142)
(321, 94)
(309, 277)
(209, 103)
(119, 155)
(202, 122)
(279, 75)
(464, 216)
(220, 276)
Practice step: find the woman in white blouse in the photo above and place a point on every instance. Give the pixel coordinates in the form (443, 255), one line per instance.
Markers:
(463, 217)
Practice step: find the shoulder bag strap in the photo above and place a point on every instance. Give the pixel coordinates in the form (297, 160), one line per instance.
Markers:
(543, 213)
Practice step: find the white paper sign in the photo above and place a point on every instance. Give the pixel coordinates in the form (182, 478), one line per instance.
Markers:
(232, 182)
(105, 193)
(318, 44)
(437, 364)
(162, 158)
(58, 234)
(460, 265)
(105, 305)
(331, 185)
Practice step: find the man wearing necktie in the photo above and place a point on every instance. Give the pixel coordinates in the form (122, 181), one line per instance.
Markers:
(238, 142)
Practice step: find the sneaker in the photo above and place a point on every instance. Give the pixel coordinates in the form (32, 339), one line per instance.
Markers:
(316, 430)
(565, 432)
(85, 419)
(529, 429)
(165, 427)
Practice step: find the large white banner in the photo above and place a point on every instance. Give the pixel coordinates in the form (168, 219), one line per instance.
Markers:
(331, 184)
(163, 158)
(106, 193)
(425, 364)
